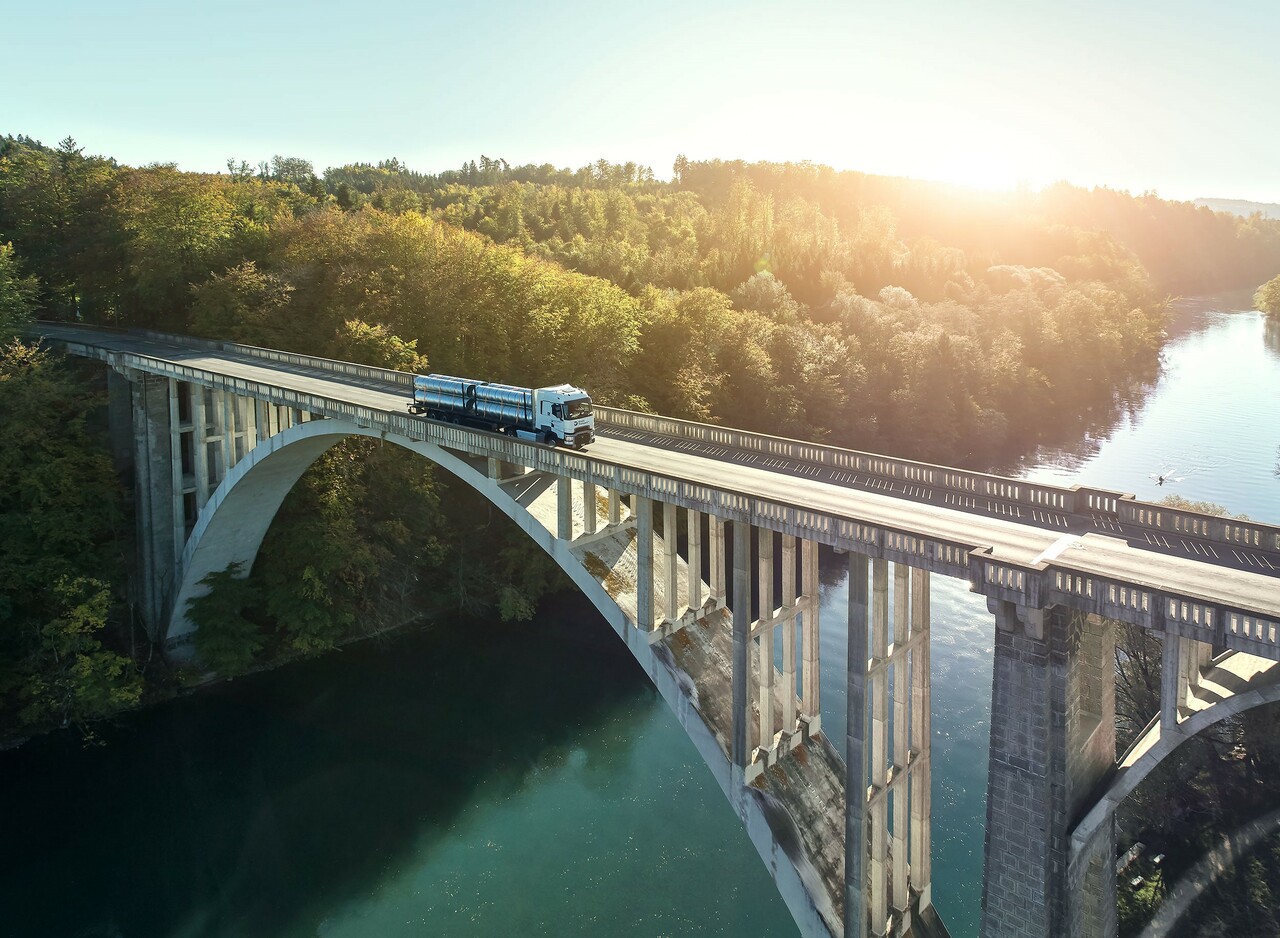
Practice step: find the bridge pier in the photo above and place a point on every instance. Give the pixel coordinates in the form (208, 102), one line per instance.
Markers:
(1052, 742)
(887, 868)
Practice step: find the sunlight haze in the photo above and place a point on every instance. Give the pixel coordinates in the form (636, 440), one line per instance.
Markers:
(1175, 97)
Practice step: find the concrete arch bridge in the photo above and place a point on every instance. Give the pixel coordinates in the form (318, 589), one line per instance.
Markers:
(217, 433)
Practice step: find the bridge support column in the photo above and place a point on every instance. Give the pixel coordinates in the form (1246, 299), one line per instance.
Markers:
(564, 508)
(715, 536)
(694, 573)
(740, 752)
(1052, 740)
(201, 416)
(589, 508)
(789, 635)
(898, 786)
(764, 640)
(154, 429)
(643, 508)
(810, 678)
(878, 694)
(225, 401)
(178, 516)
(856, 755)
(615, 507)
(670, 563)
(1180, 665)
(920, 849)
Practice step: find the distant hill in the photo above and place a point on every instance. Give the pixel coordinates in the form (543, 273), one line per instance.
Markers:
(1241, 207)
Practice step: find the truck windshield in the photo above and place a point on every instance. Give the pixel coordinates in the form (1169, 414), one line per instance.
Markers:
(579, 408)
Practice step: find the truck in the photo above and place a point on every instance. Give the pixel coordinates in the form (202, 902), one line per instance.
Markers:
(552, 415)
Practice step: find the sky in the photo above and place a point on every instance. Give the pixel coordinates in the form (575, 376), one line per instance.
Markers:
(1173, 96)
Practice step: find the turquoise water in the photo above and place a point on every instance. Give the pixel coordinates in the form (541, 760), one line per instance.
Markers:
(526, 780)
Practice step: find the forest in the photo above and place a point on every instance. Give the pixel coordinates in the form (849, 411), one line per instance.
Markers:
(872, 312)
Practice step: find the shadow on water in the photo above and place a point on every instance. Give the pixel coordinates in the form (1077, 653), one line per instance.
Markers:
(236, 811)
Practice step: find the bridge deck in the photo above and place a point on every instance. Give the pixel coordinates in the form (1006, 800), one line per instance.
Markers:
(1225, 578)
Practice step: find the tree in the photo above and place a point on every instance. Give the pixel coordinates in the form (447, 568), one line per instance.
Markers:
(226, 641)
(17, 293)
(1267, 298)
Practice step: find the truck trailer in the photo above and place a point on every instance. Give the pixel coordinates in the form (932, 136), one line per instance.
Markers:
(554, 415)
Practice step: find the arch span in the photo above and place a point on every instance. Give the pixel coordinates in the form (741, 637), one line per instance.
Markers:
(233, 523)
(1261, 687)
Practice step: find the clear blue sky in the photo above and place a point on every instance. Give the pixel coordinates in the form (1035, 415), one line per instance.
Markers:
(1177, 96)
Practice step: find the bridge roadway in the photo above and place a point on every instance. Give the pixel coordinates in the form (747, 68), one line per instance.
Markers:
(1183, 566)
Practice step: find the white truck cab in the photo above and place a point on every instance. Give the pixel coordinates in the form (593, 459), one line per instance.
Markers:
(564, 412)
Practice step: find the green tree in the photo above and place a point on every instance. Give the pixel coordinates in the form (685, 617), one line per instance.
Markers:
(226, 641)
(1267, 298)
(17, 293)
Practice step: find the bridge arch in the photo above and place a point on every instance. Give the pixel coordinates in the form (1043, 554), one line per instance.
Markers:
(234, 521)
(232, 525)
(1156, 744)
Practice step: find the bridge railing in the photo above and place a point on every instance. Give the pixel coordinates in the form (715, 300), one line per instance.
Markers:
(906, 471)
(1121, 507)
(1251, 630)
(351, 369)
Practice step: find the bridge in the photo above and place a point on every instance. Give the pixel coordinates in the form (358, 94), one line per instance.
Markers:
(217, 433)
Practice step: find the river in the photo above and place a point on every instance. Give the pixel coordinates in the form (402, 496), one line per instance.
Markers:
(503, 780)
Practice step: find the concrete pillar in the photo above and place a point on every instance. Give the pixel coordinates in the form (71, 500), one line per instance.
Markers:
(715, 535)
(878, 695)
(249, 423)
(589, 508)
(810, 686)
(694, 573)
(921, 845)
(789, 634)
(178, 516)
(855, 755)
(153, 434)
(1052, 741)
(615, 507)
(644, 562)
(901, 734)
(564, 508)
(120, 421)
(670, 562)
(226, 403)
(765, 641)
(200, 444)
(739, 753)
(1171, 687)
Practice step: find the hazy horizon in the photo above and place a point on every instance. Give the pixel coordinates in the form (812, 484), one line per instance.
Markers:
(1167, 97)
